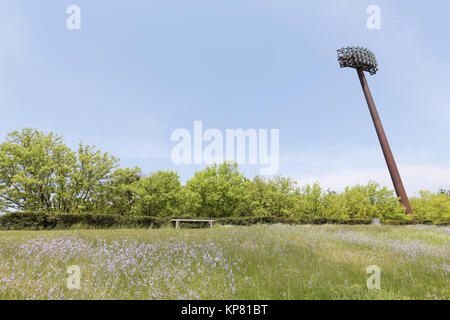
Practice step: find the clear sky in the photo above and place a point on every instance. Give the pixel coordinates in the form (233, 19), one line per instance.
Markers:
(138, 70)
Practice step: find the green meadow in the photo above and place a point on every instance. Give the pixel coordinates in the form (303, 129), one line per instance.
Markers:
(224, 262)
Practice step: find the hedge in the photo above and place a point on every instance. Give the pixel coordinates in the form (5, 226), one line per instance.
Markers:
(43, 221)
(246, 221)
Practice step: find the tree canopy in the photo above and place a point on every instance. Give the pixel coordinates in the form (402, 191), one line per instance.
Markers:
(38, 172)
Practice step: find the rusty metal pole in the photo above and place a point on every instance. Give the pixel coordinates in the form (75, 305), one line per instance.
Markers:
(395, 175)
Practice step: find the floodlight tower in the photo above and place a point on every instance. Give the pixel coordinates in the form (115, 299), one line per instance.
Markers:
(362, 60)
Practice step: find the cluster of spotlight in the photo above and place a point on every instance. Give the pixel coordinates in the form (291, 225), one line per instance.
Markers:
(358, 58)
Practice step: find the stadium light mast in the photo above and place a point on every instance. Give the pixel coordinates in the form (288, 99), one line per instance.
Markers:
(362, 60)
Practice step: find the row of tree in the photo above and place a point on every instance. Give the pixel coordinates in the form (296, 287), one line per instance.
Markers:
(38, 172)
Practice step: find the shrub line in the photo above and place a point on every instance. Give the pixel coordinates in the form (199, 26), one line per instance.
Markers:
(47, 221)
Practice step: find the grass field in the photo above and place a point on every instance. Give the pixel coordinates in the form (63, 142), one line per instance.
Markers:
(258, 262)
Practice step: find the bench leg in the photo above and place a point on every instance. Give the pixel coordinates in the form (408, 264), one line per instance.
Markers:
(210, 224)
(177, 224)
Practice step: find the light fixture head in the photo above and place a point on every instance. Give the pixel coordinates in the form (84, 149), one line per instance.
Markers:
(358, 58)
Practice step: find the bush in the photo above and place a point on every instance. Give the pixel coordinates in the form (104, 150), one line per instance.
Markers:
(41, 220)
(45, 221)
(220, 190)
(371, 201)
(246, 221)
(158, 195)
(360, 202)
(431, 207)
(405, 222)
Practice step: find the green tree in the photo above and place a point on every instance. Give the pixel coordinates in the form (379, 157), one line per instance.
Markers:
(256, 197)
(190, 202)
(220, 189)
(35, 170)
(333, 205)
(89, 180)
(122, 187)
(38, 172)
(431, 206)
(309, 202)
(159, 194)
(280, 195)
(371, 201)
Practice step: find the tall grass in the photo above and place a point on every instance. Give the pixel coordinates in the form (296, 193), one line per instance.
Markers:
(257, 262)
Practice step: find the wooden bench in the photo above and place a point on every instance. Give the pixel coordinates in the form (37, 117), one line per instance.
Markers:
(178, 221)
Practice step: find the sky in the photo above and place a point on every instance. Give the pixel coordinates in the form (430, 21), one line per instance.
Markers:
(136, 71)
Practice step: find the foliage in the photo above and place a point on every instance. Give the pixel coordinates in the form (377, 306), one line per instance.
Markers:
(93, 170)
(264, 197)
(247, 221)
(29, 220)
(371, 201)
(41, 220)
(122, 190)
(159, 194)
(309, 202)
(34, 171)
(281, 197)
(220, 189)
(39, 173)
(433, 207)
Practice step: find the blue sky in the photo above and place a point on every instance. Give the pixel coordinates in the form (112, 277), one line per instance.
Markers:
(138, 70)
